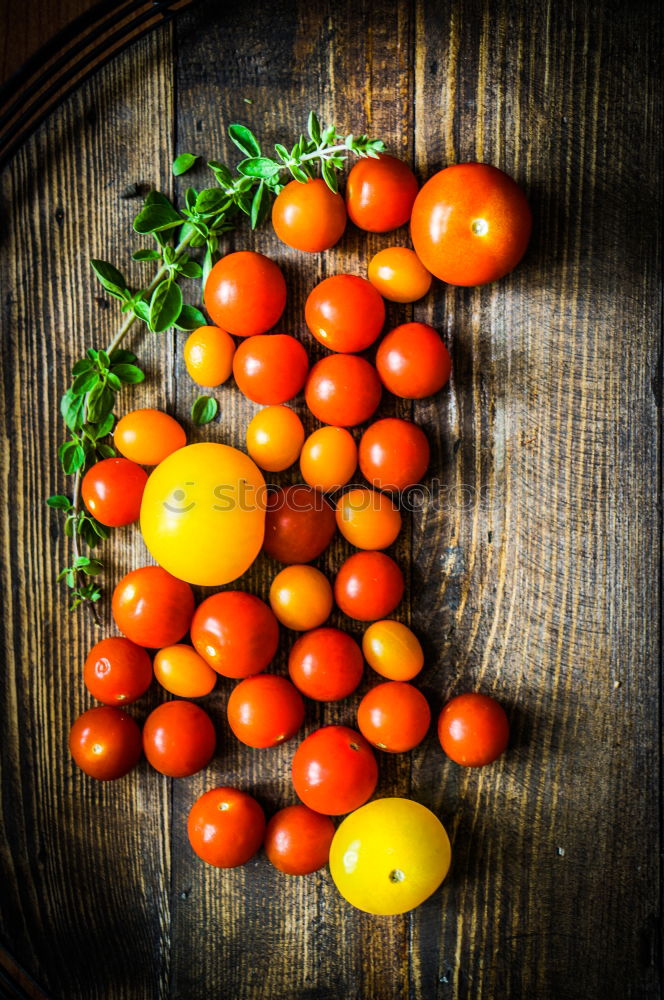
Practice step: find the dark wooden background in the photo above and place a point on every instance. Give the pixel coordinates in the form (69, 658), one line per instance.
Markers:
(535, 577)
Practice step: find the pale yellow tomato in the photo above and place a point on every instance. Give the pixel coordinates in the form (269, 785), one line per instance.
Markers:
(389, 856)
(203, 513)
(392, 650)
(275, 437)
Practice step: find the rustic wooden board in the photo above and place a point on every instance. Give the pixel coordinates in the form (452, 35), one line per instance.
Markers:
(534, 569)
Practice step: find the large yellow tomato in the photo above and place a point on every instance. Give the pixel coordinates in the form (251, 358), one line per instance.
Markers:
(389, 856)
(203, 513)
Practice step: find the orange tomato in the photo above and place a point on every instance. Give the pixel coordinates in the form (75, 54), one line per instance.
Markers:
(309, 216)
(345, 313)
(471, 224)
(392, 650)
(245, 293)
(380, 193)
(264, 711)
(394, 454)
(394, 716)
(368, 519)
(412, 361)
(208, 355)
(343, 390)
(368, 586)
(274, 438)
(180, 670)
(328, 458)
(148, 436)
(301, 597)
(399, 275)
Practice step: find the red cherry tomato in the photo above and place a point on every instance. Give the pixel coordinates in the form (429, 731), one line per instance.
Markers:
(399, 275)
(380, 193)
(368, 586)
(471, 224)
(413, 362)
(112, 491)
(152, 608)
(245, 293)
(117, 671)
(299, 524)
(297, 840)
(394, 716)
(226, 827)
(236, 633)
(343, 390)
(394, 454)
(270, 369)
(148, 436)
(326, 664)
(345, 313)
(179, 738)
(265, 710)
(473, 729)
(309, 216)
(105, 743)
(334, 770)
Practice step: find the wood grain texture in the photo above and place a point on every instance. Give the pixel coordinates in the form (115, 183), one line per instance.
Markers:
(533, 565)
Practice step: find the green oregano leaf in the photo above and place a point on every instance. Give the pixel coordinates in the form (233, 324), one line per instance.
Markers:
(313, 128)
(109, 276)
(258, 166)
(260, 205)
(146, 255)
(190, 318)
(165, 306)
(245, 140)
(59, 502)
(154, 218)
(204, 410)
(128, 373)
(183, 163)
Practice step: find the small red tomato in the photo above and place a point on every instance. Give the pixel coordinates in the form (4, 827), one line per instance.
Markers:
(226, 827)
(368, 586)
(326, 664)
(394, 454)
(236, 633)
(245, 293)
(105, 743)
(299, 524)
(334, 770)
(343, 390)
(112, 491)
(394, 716)
(380, 193)
(345, 313)
(265, 710)
(148, 436)
(413, 362)
(473, 729)
(152, 608)
(117, 671)
(270, 369)
(179, 738)
(297, 840)
(309, 217)
(470, 224)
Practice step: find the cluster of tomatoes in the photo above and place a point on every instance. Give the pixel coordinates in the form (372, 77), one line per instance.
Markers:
(235, 634)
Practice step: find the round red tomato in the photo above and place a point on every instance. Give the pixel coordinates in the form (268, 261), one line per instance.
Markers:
(152, 608)
(413, 362)
(297, 840)
(309, 216)
(368, 586)
(179, 738)
(245, 293)
(105, 743)
(380, 193)
(473, 729)
(394, 716)
(394, 454)
(471, 224)
(117, 671)
(299, 524)
(343, 390)
(226, 827)
(334, 770)
(265, 710)
(112, 491)
(236, 633)
(270, 369)
(326, 664)
(345, 313)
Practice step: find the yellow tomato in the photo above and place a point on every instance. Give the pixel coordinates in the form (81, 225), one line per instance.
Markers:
(275, 437)
(389, 856)
(301, 597)
(203, 513)
(328, 458)
(399, 275)
(368, 519)
(392, 650)
(208, 355)
(180, 670)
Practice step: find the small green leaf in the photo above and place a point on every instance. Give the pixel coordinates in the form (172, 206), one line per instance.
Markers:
(72, 456)
(190, 318)
(122, 357)
(106, 451)
(100, 403)
(81, 561)
(210, 200)
(329, 136)
(190, 196)
(106, 425)
(245, 140)
(260, 206)
(84, 383)
(146, 255)
(183, 163)
(313, 127)
(165, 307)
(298, 173)
(204, 410)
(71, 408)
(81, 366)
(282, 152)
(114, 381)
(221, 172)
(210, 259)
(100, 530)
(154, 218)
(157, 198)
(190, 269)
(258, 166)
(142, 310)
(128, 373)
(93, 567)
(329, 176)
(109, 276)
(59, 502)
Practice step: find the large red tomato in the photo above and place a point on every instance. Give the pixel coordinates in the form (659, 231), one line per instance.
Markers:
(117, 671)
(270, 369)
(412, 361)
(471, 224)
(334, 770)
(309, 216)
(236, 633)
(245, 293)
(299, 524)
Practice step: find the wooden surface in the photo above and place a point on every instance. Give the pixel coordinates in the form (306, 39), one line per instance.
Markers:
(535, 574)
